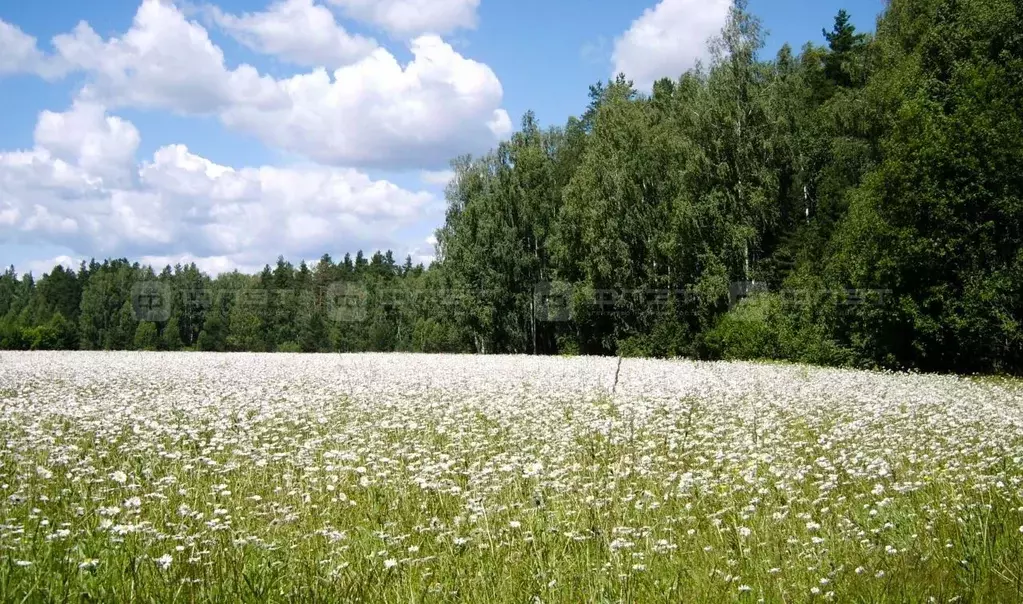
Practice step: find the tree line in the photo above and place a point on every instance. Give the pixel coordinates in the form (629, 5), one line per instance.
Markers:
(884, 167)
(118, 305)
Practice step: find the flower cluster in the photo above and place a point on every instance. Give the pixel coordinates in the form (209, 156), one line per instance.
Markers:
(510, 478)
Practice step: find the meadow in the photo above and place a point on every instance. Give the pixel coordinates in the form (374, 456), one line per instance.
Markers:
(195, 477)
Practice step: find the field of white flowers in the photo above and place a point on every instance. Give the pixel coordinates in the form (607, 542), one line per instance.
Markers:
(191, 477)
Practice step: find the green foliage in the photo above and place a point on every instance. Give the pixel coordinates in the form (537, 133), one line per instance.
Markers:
(568, 346)
(289, 347)
(771, 326)
(172, 335)
(56, 334)
(938, 219)
(146, 336)
(205, 343)
(885, 163)
(750, 331)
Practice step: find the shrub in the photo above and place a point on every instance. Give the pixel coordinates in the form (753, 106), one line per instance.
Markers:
(289, 347)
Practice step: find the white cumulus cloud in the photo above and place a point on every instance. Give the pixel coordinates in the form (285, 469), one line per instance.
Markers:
(668, 39)
(437, 178)
(412, 17)
(179, 204)
(378, 112)
(299, 31)
(211, 265)
(85, 136)
(41, 267)
(374, 112)
(163, 61)
(19, 53)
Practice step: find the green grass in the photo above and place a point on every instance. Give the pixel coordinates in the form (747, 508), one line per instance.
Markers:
(676, 502)
(289, 558)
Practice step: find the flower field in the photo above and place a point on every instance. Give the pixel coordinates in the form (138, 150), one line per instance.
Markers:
(191, 477)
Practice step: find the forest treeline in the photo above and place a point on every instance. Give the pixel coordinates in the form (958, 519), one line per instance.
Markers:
(887, 164)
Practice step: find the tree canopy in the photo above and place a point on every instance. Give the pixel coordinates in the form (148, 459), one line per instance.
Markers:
(857, 202)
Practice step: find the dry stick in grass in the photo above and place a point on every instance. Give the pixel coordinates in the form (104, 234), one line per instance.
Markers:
(617, 370)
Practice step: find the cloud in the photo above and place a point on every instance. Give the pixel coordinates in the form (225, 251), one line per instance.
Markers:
(179, 204)
(163, 61)
(211, 265)
(437, 178)
(374, 112)
(41, 267)
(85, 136)
(412, 17)
(668, 39)
(298, 31)
(379, 113)
(427, 257)
(20, 54)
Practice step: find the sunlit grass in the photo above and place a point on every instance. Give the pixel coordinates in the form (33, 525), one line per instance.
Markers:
(202, 477)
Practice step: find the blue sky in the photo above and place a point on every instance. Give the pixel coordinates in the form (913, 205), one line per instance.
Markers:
(229, 133)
